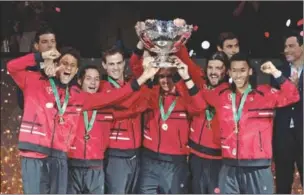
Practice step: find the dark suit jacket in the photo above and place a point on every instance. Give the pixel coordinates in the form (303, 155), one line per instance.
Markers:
(295, 111)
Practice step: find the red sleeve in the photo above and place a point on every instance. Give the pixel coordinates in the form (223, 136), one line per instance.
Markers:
(194, 70)
(109, 97)
(17, 69)
(216, 131)
(133, 98)
(136, 65)
(287, 94)
(193, 98)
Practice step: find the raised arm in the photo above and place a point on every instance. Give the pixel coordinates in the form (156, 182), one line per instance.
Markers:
(17, 68)
(112, 97)
(288, 92)
(136, 60)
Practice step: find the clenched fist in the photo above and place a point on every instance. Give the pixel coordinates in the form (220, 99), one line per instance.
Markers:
(269, 68)
(51, 54)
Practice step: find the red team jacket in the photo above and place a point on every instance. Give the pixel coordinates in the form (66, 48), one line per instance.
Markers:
(124, 133)
(252, 145)
(40, 130)
(202, 139)
(174, 140)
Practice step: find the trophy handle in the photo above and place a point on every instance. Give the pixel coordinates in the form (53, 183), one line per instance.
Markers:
(148, 44)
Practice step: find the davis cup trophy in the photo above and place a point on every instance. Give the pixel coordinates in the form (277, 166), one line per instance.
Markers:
(164, 38)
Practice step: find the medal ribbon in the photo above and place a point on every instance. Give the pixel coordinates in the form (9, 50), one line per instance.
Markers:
(66, 98)
(89, 125)
(113, 82)
(164, 115)
(208, 112)
(238, 113)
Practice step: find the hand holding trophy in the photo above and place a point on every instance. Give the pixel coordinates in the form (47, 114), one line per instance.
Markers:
(164, 38)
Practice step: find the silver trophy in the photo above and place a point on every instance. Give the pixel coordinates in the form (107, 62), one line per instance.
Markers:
(163, 38)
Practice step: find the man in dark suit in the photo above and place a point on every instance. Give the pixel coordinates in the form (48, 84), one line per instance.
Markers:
(288, 124)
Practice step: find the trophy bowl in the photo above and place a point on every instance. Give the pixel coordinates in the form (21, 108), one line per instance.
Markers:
(163, 38)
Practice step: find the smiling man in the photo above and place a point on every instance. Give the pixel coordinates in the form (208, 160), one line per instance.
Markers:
(288, 130)
(228, 43)
(122, 160)
(45, 39)
(246, 146)
(205, 159)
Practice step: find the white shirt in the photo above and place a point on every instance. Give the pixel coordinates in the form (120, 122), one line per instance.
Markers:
(292, 71)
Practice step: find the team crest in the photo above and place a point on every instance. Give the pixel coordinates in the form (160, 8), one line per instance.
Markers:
(273, 90)
(230, 96)
(49, 90)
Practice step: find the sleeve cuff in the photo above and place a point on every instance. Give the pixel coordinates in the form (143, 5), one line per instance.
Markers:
(149, 83)
(281, 79)
(176, 77)
(134, 85)
(139, 52)
(193, 90)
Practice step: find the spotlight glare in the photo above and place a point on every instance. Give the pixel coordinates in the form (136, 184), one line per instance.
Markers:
(205, 45)
(288, 22)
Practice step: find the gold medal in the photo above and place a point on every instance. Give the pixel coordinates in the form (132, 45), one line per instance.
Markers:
(87, 137)
(209, 125)
(165, 126)
(236, 130)
(61, 120)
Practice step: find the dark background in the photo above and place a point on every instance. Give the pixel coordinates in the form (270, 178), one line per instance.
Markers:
(94, 26)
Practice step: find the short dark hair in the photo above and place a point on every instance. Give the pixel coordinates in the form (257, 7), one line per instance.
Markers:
(225, 36)
(221, 56)
(84, 69)
(43, 29)
(72, 51)
(239, 57)
(244, 57)
(113, 50)
(293, 33)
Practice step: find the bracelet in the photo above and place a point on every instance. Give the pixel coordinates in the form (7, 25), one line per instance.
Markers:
(186, 80)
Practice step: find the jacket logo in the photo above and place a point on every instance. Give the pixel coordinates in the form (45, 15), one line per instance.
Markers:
(273, 90)
(49, 105)
(49, 90)
(230, 96)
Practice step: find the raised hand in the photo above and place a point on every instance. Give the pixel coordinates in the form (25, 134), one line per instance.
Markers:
(51, 68)
(51, 54)
(268, 68)
(179, 22)
(182, 68)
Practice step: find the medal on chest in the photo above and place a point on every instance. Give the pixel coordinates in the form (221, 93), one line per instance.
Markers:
(164, 115)
(88, 125)
(61, 109)
(237, 113)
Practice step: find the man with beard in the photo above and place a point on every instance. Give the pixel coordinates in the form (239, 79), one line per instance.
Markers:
(45, 40)
(288, 130)
(228, 43)
(48, 126)
(205, 158)
(164, 167)
(246, 112)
